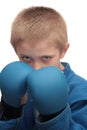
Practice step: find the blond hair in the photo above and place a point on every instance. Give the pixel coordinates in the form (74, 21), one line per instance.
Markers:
(39, 23)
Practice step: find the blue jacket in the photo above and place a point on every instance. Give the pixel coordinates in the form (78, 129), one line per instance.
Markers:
(74, 116)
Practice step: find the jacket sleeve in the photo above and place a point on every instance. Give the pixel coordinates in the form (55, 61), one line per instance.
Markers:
(66, 120)
(74, 116)
(12, 124)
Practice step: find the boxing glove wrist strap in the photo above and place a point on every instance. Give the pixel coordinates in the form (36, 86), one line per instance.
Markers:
(44, 118)
(10, 112)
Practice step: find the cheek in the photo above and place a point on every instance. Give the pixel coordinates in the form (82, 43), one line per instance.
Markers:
(54, 62)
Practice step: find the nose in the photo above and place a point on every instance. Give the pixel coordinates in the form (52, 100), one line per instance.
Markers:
(37, 66)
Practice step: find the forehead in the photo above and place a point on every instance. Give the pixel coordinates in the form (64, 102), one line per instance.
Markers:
(40, 47)
(44, 44)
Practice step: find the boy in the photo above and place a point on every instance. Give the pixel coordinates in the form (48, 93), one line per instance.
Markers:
(39, 38)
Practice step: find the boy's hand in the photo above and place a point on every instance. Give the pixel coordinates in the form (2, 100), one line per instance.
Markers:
(49, 90)
(13, 88)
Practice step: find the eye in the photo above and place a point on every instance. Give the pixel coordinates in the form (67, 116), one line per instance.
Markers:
(46, 58)
(26, 58)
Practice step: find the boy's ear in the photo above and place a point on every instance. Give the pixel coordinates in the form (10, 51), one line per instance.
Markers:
(65, 50)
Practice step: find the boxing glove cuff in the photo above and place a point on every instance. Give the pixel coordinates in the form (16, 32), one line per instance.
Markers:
(10, 112)
(44, 118)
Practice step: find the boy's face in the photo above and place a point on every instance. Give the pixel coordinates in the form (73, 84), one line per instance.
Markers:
(40, 55)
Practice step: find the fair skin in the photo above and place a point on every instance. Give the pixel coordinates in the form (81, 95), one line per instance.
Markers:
(40, 55)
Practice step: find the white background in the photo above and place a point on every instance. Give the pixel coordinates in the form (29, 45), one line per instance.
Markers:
(75, 14)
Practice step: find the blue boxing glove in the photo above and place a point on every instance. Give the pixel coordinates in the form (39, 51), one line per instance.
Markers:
(49, 91)
(13, 87)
